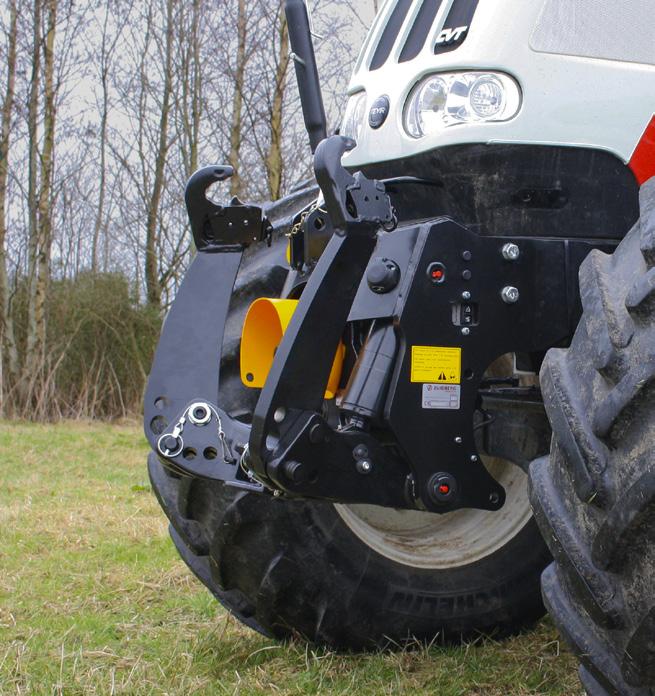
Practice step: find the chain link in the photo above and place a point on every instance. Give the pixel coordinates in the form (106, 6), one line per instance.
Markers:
(297, 228)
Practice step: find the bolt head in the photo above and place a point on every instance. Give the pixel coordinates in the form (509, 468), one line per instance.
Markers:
(510, 294)
(360, 452)
(296, 472)
(383, 275)
(458, 440)
(317, 433)
(279, 415)
(511, 252)
(466, 331)
(474, 458)
(466, 295)
(364, 466)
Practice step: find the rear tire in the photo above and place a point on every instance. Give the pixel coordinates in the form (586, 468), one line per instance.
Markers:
(299, 568)
(594, 498)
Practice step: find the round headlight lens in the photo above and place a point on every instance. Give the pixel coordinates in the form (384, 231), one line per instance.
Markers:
(427, 109)
(487, 97)
(353, 119)
(449, 99)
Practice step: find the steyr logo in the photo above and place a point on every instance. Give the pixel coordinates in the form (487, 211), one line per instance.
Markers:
(379, 112)
(451, 36)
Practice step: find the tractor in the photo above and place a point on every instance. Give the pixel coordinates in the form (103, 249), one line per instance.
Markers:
(414, 401)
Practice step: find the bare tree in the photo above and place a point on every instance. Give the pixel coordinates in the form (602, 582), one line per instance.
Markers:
(274, 158)
(39, 196)
(236, 126)
(190, 80)
(7, 340)
(104, 60)
(32, 196)
(153, 285)
(175, 85)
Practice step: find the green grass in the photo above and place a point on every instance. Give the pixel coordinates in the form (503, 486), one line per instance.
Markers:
(94, 600)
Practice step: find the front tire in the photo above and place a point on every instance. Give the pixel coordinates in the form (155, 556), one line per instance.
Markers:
(594, 498)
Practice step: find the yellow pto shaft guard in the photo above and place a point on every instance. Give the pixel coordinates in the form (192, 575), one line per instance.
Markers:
(266, 321)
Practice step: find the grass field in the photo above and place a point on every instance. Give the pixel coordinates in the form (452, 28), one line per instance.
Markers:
(94, 600)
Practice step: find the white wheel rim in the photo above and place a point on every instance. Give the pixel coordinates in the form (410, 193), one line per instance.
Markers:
(429, 540)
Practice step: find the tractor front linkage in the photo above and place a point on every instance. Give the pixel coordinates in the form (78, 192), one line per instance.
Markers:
(442, 303)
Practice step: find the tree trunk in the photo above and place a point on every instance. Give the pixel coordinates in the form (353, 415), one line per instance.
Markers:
(32, 197)
(274, 163)
(236, 183)
(7, 340)
(104, 113)
(153, 285)
(190, 77)
(196, 93)
(40, 193)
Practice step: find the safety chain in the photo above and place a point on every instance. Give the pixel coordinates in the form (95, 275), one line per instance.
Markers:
(297, 228)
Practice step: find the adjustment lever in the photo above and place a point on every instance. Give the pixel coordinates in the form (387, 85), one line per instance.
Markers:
(222, 228)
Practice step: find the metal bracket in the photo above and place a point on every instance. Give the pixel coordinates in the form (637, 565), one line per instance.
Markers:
(356, 208)
(350, 199)
(197, 442)
(222, 228)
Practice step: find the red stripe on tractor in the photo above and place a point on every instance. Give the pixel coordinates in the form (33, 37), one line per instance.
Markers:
(642, 162)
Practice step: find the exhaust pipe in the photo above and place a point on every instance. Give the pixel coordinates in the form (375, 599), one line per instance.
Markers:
(302, 53)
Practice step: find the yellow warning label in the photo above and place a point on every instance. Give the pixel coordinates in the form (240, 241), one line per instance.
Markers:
(436, 365)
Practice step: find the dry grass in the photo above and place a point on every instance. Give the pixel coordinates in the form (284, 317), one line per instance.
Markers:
(94, 600)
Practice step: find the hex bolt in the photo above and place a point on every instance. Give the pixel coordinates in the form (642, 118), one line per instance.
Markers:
(364, 466)
(360, 452)
(279, 414)
(510, 294)
(466, 295)
(466, 255)
(458, 440)
(510, 252)
(466, 331)
(474, 458)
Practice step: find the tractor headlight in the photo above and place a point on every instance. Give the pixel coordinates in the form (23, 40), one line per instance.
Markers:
(353, 119)
(449, 99)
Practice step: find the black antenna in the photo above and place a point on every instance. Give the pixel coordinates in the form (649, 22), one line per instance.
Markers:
(302, 53)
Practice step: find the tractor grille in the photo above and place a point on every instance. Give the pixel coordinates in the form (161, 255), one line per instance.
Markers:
(390, 34)
(420, 29)
(451, 34)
